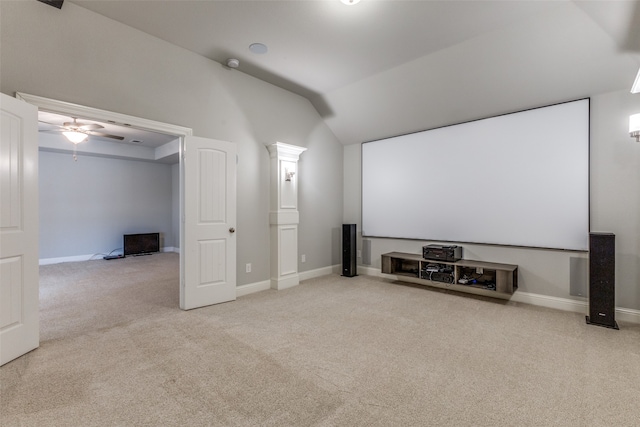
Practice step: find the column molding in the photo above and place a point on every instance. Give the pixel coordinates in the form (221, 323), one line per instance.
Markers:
(283, 214)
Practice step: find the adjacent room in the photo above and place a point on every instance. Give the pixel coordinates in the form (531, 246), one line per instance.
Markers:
(106, 194)
(370, 212)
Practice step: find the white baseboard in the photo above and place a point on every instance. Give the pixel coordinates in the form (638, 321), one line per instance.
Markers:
(285, 282)
(563, 304)
(622, 314)
(628, 315)
(318, 272)
(251, 288)
(370, 271)
(75, 258)
(94, 257)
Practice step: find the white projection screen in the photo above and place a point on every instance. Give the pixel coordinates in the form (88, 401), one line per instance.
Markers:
(519, 179)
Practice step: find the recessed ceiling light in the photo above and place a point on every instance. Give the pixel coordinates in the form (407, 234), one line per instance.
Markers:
(350, 2)
(258, 48)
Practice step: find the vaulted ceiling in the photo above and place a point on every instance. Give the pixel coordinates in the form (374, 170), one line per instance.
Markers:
(386, 67)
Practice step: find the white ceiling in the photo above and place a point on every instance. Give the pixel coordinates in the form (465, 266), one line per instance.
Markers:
(137, 144)
(52, 123)
(387, 67)
(315, 46)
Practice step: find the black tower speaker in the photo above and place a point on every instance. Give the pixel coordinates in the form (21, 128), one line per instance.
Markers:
(602, 295)
(349, 250)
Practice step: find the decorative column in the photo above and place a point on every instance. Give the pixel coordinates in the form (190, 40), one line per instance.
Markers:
(283, 214)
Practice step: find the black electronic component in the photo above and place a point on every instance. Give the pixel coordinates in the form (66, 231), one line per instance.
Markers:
(442, 253)
(438, 273)
(602, 293)
(349, 258)
(141, 244)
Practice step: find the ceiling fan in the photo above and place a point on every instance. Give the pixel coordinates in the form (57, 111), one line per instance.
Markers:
(78, 132)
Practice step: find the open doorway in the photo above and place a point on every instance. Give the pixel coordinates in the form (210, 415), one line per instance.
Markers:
(125, 178)
(206, 200)
(207, 204)
(95, 192)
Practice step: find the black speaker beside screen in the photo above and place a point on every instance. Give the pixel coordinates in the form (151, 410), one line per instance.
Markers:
(349, 250)
(602, 292)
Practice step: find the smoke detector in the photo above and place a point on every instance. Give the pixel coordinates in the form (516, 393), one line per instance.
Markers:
(233, 63)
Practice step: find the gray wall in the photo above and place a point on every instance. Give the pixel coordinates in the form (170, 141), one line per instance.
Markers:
(86, 206)
(77, 56)
(614, 207)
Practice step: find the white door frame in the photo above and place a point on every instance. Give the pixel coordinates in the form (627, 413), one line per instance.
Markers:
(89, 113)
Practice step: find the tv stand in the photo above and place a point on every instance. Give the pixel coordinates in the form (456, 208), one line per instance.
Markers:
(476, 277)
(148, 253)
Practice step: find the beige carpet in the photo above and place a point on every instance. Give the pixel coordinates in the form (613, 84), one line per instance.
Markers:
(116, 351)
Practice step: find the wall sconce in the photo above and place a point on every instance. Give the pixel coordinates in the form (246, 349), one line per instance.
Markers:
(636, 84)
(634, 126)
(288, 174)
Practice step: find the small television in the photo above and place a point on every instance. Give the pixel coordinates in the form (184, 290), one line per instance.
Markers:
(141, 244)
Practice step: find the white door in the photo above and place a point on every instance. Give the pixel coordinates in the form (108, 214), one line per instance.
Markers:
(208, 246)
(19, 324)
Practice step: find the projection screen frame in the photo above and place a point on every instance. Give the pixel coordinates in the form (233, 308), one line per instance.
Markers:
(585, 164)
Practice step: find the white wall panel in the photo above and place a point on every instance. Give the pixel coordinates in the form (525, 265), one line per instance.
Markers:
(288, 250)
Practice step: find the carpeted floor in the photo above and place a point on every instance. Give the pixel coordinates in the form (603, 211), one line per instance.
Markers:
(334, 351)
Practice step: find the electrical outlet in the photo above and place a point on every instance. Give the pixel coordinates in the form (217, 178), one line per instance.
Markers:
(248, 268)
(359, 253)
(304, 258)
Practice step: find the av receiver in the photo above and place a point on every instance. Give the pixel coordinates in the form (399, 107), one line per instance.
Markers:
(442, 253)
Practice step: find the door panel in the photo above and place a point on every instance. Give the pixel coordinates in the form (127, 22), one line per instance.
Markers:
(208, 259)
(19, 300)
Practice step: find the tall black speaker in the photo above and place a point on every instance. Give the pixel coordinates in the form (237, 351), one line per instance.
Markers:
(349, 250)
(602, 289)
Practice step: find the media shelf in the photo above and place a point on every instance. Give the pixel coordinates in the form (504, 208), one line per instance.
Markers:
(477, 277)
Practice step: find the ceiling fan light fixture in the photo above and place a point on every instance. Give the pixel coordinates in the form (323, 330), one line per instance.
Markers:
(75, 136)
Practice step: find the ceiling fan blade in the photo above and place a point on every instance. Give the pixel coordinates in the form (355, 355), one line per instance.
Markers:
(90, 126)
(47, 123)
(75, 124)
(105, 135)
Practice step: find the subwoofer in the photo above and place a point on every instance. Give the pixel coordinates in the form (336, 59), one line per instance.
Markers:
(602, 295)
(349, 250)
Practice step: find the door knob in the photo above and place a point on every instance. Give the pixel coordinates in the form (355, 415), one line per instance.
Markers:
(232, 230)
